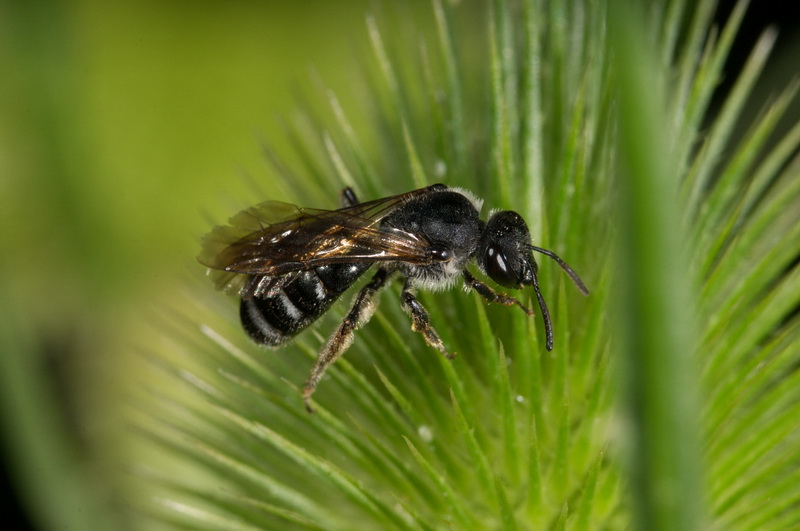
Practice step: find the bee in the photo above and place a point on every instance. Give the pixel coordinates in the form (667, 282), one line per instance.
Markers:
(290, 264)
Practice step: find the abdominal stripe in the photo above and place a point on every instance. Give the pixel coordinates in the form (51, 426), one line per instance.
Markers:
(277, 317)
(257, 325)
(274, 319)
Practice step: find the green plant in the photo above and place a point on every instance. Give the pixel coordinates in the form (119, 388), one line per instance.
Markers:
(595, 133)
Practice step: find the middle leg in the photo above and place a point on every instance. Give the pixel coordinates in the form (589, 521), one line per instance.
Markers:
(347, 198)
(421, 322)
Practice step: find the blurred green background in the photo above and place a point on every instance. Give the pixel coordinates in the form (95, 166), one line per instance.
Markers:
(124, 128)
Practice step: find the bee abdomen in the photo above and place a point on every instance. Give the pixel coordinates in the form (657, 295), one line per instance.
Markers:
(272, 320)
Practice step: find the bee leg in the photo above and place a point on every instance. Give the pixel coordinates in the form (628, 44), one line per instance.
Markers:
(348, 198)
(421, 322)
(360, 312)
(491, 295)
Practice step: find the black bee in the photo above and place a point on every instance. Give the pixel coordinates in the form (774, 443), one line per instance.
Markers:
(290, 264)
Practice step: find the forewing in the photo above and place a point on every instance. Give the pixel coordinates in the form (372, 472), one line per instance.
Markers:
(274, 239)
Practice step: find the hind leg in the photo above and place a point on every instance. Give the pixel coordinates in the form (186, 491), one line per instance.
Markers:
(360, 312)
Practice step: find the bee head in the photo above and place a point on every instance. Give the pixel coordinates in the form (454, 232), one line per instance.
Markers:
(504, 250)
(504, 253)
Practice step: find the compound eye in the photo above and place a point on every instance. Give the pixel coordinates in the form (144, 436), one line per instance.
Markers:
(498, 269)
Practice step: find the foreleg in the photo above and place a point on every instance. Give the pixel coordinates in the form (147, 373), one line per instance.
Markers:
(491, 295)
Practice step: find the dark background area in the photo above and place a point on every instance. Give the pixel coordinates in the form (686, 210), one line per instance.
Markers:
(760, 16)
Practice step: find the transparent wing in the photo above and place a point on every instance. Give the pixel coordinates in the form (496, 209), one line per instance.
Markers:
(274, 238)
